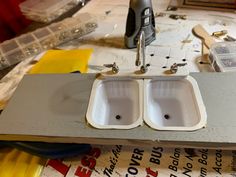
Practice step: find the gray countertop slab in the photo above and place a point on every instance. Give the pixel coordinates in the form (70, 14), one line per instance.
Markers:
(52, 108)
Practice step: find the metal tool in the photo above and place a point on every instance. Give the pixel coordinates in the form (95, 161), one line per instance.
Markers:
(140, 18)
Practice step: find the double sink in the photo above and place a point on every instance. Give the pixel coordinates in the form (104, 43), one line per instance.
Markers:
(163, 104)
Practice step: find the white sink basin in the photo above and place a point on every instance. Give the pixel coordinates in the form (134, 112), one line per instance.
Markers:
(167, 104)
(116, 104)
(173, 104)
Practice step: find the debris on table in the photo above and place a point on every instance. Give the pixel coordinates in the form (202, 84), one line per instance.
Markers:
(219, 33)
(176, 17)
(229, 38)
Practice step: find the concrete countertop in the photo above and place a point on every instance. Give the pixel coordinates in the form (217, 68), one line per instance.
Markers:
(52, 108)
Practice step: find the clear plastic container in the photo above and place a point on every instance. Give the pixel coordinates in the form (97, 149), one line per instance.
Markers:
(40, 6)
(14, 56)
(29, 44)
(9, 45)
(63, 35)
(82, 25)
(45, 38)
(11, 53)
(46, 11)
(15, 50)
(90, 26)
(55, 27)
(3, 61)
(223, 56)
(76, 27)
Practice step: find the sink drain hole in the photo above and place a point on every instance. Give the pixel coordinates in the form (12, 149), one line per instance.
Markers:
(118, 117)
(166, 116)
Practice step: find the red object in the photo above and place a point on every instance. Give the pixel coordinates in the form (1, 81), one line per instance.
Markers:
(12, 21)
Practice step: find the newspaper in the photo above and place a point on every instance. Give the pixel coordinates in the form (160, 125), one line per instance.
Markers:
(127, 161)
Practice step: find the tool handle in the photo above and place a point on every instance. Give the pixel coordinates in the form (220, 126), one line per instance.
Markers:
(201, 33)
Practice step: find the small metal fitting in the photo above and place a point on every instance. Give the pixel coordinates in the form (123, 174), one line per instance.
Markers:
(174, 67)
(114, 67)
(144, 69)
